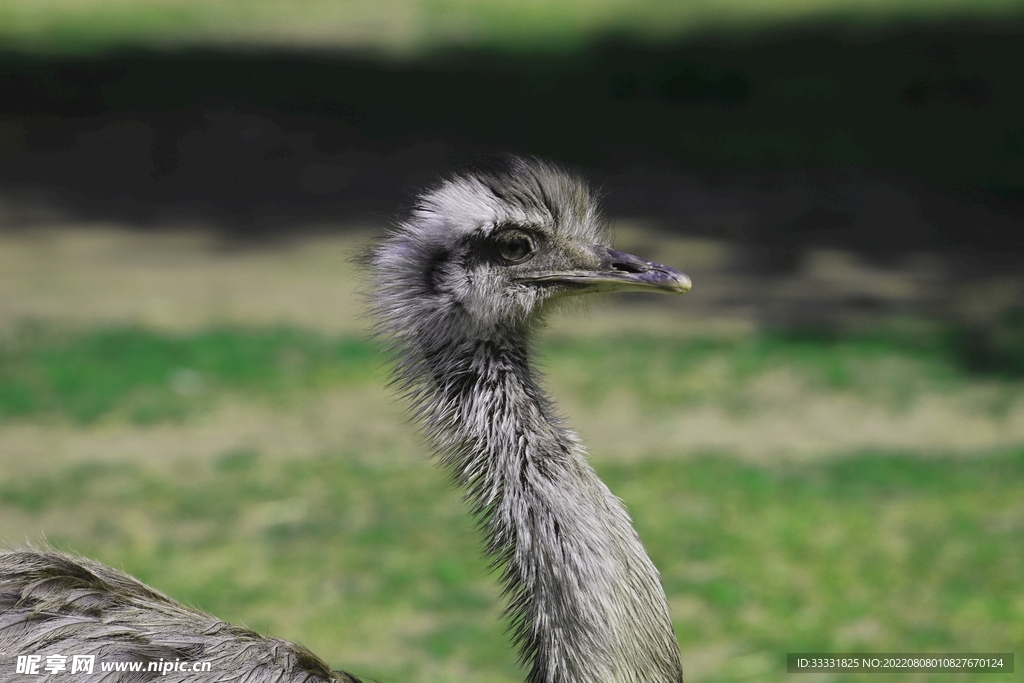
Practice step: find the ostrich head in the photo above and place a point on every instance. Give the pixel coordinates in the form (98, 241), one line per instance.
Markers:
(483, 252)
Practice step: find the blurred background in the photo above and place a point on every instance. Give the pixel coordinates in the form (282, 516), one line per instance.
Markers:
(822, 445)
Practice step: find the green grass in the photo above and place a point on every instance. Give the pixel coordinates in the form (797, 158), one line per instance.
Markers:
(151, 377)
(71, 26)
(370, 560)
(891, 369)
(876, 552)
(147, 377)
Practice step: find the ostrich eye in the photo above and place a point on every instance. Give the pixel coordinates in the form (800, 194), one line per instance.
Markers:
(514, 246)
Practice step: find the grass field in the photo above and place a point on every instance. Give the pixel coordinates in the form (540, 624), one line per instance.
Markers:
(404, 26)
(211, 418)
(357, 547)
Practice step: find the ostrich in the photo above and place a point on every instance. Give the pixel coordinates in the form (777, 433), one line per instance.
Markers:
(457, 288)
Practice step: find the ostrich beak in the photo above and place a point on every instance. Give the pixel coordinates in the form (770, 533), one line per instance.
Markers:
(617, 272)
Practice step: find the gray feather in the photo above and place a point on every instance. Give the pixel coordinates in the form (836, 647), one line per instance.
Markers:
(53, 603)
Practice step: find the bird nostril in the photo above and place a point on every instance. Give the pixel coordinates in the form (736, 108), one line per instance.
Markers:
(626, 267)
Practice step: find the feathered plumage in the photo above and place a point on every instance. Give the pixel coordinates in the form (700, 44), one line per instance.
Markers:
(55, 604)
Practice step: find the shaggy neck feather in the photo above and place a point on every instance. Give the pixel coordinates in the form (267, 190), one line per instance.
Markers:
(585, 600)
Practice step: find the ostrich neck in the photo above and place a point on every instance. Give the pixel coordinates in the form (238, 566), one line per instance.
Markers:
(585, 599)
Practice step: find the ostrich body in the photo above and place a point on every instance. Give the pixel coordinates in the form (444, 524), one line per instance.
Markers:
(458, 289)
